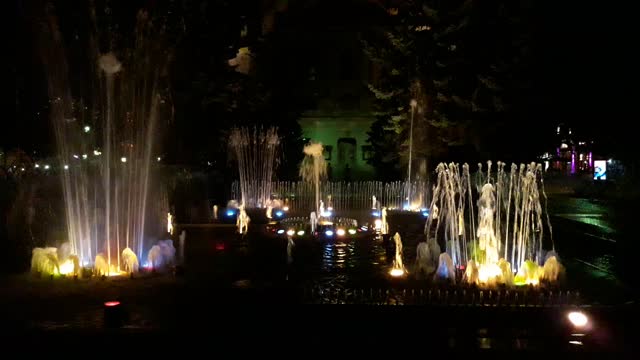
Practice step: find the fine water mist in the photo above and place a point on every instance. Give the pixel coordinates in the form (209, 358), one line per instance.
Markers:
(492, 223)
(255, 151)
(107, 136)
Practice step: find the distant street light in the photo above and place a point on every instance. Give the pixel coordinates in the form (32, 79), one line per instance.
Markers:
(413, 104)
(123, 159)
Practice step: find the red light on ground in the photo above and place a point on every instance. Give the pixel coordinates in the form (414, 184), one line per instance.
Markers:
(112, 303)
(220, 246)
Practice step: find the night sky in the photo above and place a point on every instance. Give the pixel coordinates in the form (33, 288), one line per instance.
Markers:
(582, 73)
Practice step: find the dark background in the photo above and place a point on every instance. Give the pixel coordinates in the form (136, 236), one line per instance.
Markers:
(583, 77)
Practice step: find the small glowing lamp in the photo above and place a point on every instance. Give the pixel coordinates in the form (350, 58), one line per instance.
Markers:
(340, 232)
(290, 232)
(578, 319)
(111, 303)
(396, 272)
(301, 232)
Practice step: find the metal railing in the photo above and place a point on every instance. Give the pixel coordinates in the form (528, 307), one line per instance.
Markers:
(443, 297)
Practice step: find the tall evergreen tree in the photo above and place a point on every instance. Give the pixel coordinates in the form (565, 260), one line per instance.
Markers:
(461, 62)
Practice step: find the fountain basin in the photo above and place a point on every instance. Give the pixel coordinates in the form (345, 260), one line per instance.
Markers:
(326, 229)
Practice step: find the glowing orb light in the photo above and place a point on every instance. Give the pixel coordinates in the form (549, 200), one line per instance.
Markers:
(230, 213)
(286, 208)
(352, 231)
(377, 224)
(279, 213)
(328, 233)
(578, 319)
(67, 267)
(111, 303)
(340, 232)
(396, 272)
(290, 232)
(281, 231)
(488, 273)
(301, 232)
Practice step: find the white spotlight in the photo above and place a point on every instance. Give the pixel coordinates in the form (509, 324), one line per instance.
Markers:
(578, 319)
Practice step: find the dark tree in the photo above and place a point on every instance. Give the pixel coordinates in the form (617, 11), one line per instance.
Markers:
(229, 74)
(465, 64)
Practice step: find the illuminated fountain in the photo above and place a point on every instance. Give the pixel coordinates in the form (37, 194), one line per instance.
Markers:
(161, 256)
(313, 169)
(384, 225)
(506, 237)
(300, 196)
(242, 221)
(397, 269)
(255, 152)
(427, 257)
(106, 139)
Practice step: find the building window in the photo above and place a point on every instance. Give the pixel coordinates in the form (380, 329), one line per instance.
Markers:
(367, 152)
(327, 152)
(346, 150)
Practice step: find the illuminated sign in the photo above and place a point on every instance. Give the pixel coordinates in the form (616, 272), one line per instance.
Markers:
(600, 170)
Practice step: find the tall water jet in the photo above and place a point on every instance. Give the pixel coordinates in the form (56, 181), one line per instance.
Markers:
(397, 269)
(242, 221)
(106, 132)
(413, 104)
(255, 151)
(314, 168)
(384, 225)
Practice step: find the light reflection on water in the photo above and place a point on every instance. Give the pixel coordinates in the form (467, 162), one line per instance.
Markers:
(344, 262)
